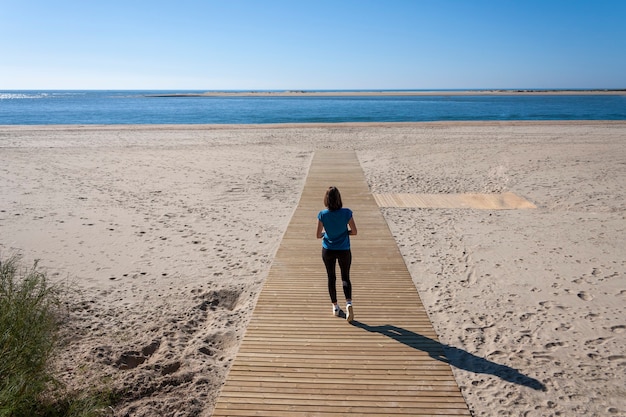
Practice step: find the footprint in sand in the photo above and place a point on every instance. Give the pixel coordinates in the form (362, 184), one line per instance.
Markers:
(170, 368)
(132, 359)
(217, 344)
(618, 329)
(525, 316)
(552, 304)
(597, 342)
(554, 345)
(225, 298)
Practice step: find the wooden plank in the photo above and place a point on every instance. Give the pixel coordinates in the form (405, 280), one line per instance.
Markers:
(296, 359)
(503, 201)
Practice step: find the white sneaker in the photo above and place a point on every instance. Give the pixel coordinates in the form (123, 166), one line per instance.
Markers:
(336, 310)
(350, 314)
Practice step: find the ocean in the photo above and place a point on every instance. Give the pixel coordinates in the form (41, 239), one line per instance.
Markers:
(141, 107)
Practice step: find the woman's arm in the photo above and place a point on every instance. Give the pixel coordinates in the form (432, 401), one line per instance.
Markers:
(320, 230)
(352, 225)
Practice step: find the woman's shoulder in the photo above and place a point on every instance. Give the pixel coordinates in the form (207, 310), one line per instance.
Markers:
(343, 210)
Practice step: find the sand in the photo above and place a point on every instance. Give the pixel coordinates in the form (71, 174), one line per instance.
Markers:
(164, 235)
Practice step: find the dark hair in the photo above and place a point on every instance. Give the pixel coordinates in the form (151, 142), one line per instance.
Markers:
(332, 199)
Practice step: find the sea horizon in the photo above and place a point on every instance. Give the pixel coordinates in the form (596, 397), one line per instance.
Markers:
(238, 90)
(72, 107)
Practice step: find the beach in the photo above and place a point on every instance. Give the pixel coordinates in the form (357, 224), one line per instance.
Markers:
(164, 235)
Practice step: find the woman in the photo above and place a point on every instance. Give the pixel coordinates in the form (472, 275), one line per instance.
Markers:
(335, 225)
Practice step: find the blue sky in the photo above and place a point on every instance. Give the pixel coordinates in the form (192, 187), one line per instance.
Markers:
(307, 44)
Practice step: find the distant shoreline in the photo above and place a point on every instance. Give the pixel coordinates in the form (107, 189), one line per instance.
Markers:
(382, 93)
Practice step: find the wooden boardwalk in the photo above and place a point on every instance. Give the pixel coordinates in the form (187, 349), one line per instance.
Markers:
(297, 359)
(504, 201)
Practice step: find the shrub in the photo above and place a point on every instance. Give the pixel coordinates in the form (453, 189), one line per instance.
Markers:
(29, 312)
(28, 334)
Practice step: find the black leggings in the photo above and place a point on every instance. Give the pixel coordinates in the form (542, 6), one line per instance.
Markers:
(345, 260)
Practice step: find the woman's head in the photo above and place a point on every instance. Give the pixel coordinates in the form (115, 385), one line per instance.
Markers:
(332, 199)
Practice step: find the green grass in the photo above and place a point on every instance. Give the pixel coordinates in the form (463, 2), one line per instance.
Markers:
(29, 324)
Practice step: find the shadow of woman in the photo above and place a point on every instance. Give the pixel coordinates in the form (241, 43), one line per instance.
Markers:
(454, 356)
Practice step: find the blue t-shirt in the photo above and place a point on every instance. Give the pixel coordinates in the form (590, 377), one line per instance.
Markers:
(336, 227)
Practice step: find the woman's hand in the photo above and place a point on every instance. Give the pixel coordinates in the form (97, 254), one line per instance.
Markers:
(320, 230)
(352, 227)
